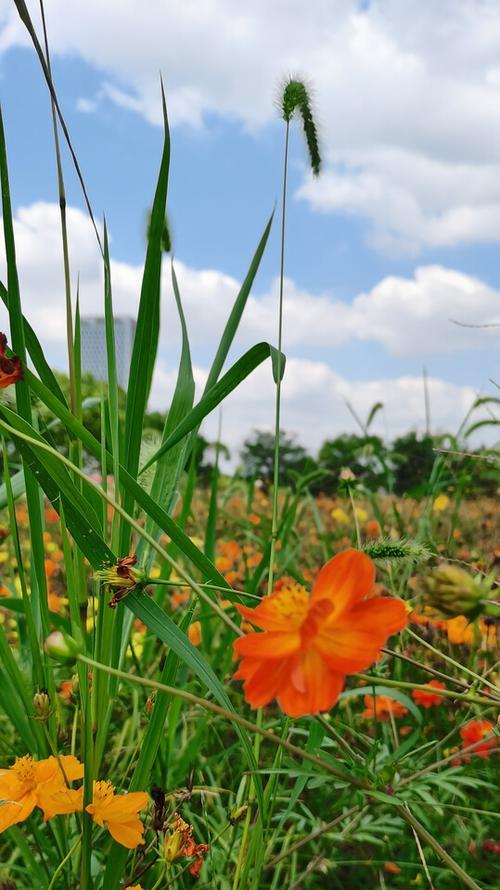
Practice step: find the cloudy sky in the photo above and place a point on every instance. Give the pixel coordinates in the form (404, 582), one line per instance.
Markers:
(397, 239)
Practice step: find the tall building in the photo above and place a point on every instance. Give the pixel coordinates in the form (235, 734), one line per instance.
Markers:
(94, 356)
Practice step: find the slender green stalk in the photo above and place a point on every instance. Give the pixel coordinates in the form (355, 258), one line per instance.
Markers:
(445, 693)
(274, 521)
(63, 863)
(64, 229)
(441, 852)
(450, 660)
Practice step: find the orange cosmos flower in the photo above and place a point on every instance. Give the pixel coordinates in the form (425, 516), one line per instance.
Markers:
(117, 812)
(311, 642)
(473, 732)
(11, 369)
(381, 707)
(428, 699)
(32, 783)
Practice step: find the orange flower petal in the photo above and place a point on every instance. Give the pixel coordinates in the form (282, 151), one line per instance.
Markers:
(263, 681)
(345, 579)
(311, 688)
(353, 642)
(128, 834)
(17, 811)
(267, 644)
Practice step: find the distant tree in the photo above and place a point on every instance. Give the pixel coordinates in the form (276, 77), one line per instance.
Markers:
(365, 455)
(412, 458)
(257, 456)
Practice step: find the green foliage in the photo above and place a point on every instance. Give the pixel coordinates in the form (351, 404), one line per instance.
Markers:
(413, 457)
(364, 455)
(257, 456)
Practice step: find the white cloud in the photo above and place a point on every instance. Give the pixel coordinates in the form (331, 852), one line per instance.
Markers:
(314, 406)
(405, 316)
(408, 94)
(408, 317)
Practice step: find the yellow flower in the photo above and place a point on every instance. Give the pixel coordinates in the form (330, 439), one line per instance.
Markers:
(442, 502)
(32, 783)
(361, 514)
(117, 812)
(340, 516)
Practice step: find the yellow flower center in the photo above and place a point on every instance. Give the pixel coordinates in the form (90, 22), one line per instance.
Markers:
(103, 792)
(25, 771)
(294, 604)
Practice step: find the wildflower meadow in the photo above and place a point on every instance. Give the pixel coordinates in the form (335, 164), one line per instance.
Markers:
(233, 680)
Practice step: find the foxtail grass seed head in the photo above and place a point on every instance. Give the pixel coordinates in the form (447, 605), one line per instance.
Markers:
(403, 549)
(452, 591)
(295, 98)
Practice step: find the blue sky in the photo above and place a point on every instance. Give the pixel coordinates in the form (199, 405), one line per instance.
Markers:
(405, 187)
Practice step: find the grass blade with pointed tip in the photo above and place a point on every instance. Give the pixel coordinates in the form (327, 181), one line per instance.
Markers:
(214, 396)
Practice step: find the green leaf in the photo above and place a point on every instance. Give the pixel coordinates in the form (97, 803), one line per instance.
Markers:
(148, 319)
(151, 508)
(214, 396)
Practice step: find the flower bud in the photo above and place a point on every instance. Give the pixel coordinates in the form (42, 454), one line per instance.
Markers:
(41, 705)
(61, 647)
(452, 591)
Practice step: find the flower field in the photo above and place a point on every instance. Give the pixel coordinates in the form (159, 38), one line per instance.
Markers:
(217, 679)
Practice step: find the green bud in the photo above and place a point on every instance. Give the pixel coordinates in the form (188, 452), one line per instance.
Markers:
(452, 591)
(61, 647)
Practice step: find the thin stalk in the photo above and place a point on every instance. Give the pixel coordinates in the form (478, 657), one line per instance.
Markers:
(63, 863)
(64, 229)
(445, 693)
(274, 521)
(318, 832)
(469, 749)
(427, 669)
(450, 660)
(441, 852)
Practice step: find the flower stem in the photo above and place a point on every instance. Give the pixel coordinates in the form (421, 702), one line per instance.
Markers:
(274, 521)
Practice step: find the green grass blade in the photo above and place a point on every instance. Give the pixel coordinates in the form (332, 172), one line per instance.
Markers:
(214, 396)
(148, 326)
